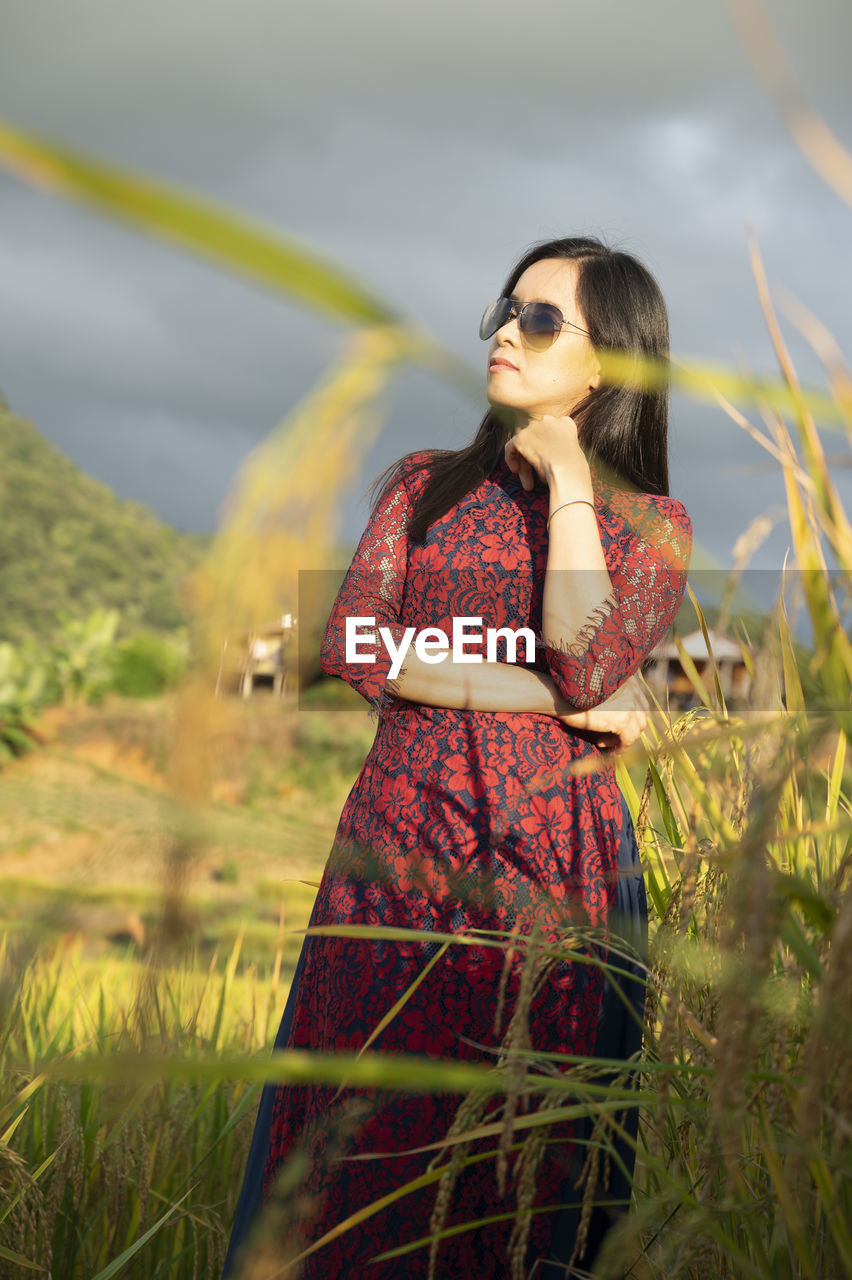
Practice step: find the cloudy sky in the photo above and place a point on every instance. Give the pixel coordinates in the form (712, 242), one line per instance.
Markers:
(423, 147)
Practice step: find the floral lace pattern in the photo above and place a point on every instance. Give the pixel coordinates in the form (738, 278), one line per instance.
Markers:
(458, 821)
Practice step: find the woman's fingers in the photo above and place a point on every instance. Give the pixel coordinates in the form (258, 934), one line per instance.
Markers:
(521, 465)
(629, 730)
(634, 728)
(615, 729)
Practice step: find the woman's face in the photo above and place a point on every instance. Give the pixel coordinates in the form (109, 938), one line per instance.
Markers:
(554, 381)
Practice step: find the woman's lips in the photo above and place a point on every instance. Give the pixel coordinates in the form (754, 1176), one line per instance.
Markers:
(502, 364)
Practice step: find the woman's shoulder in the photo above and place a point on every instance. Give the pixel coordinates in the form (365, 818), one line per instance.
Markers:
(406, 475)
(414, 469)
(623, 498)
(671, 509)
(673, 536)
(420, 459)
(655, 517)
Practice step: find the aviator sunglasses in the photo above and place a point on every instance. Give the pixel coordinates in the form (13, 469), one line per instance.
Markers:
(539, 322)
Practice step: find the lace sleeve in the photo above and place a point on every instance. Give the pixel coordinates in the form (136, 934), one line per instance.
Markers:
(648, 563)
(371, 592)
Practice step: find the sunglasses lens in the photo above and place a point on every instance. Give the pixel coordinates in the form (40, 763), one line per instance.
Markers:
(540, 323)
(495, 316)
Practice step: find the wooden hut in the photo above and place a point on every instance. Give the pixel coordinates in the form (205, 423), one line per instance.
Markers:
(264, 654)
(666, 677)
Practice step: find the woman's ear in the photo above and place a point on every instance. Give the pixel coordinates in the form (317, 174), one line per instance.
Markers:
(595, 378)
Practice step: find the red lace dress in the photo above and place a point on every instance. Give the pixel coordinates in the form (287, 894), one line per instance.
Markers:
(460, 821)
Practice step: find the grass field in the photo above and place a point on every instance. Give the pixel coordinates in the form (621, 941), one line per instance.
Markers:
(137, 1175)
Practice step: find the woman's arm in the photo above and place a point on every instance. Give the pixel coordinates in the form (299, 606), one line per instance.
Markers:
(501, 686)
(485, 686)
(373, 588)
(599, 621)
(601, 614)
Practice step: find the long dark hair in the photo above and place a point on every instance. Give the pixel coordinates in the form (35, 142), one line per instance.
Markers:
(625, 428)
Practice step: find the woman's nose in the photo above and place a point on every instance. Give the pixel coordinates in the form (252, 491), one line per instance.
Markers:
(510, 329)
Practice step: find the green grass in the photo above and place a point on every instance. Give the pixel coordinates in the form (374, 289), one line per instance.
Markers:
(121, 1154)
(747, 1039)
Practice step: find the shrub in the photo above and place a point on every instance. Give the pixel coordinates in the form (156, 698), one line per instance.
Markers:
(146, 664)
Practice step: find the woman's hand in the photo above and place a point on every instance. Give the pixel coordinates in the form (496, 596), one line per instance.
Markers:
(550, 447)
(616, 723)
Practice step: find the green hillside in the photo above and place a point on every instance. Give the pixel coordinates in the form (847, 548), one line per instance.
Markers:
(69, 545)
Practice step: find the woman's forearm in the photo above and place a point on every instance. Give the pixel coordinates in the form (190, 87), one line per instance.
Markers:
(577, 580)
(480, 686)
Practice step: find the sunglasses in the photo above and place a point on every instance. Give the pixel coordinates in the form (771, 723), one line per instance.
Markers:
(539, 322)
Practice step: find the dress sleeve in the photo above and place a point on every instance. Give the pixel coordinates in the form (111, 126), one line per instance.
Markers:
(372, 589)
(648, 561)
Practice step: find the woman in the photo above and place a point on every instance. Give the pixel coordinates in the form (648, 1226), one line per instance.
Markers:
(465, 816)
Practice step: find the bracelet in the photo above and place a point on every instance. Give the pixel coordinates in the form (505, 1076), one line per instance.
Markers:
(568, 504)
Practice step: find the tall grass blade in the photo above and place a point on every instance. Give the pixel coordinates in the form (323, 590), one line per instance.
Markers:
(116, 1267)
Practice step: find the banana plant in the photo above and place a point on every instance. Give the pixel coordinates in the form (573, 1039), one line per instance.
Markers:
(22, 689)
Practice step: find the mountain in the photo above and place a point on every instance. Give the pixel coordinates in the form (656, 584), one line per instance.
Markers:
(68, 545)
